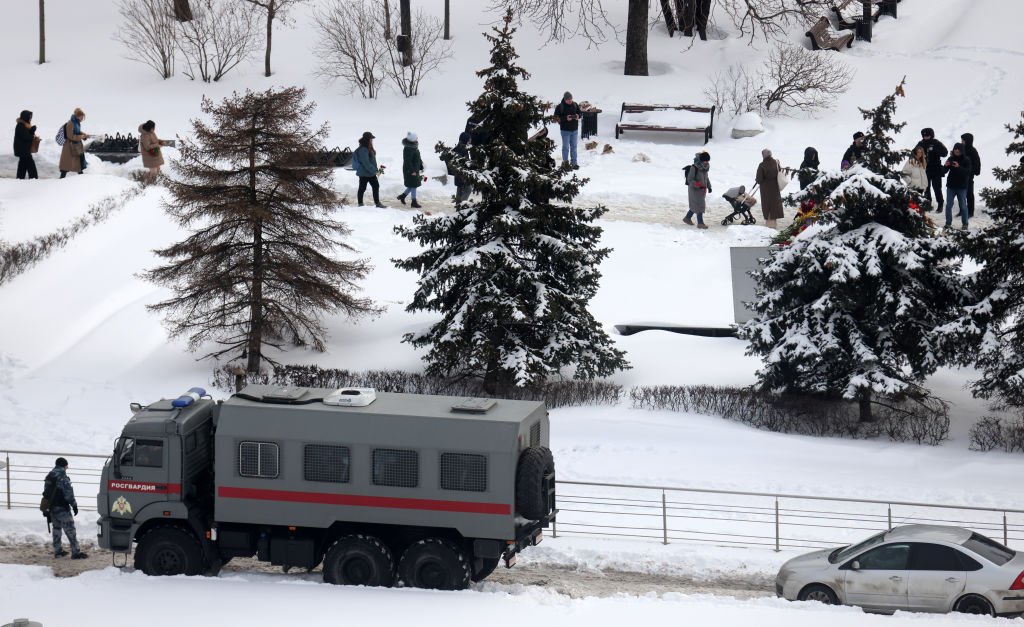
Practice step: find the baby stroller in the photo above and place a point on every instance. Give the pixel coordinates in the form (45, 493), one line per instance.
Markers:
(741, 203)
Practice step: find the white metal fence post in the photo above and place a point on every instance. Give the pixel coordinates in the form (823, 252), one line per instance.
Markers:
(7, 471)
(776, 525)
(664, 519)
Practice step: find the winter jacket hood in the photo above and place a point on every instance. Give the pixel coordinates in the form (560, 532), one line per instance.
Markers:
(810, 158)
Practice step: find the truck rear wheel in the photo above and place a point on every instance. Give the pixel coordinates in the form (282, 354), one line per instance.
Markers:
(535, 463)
(436, 564)
(359, 560)
(167, 551)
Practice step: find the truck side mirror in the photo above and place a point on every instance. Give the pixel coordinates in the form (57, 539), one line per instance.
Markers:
(855, 565)
(117, 457)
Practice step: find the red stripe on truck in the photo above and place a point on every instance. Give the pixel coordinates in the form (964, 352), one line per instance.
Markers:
(356, 500)
(149, 488)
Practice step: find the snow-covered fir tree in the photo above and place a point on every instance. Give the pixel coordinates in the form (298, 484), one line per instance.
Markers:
(512, 273)
(849, 306)
(993, 328)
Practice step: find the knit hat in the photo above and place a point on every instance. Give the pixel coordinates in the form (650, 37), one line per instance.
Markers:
(927, 132)
(464, 137)
(857, 135)
(411, 137)
(26, 115)
(369, 135)
(704, 156)
(567, 96)
(766, 153)
(63, 463)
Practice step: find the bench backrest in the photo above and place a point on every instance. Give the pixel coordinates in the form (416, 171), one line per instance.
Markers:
(820, 29)
(629, 107)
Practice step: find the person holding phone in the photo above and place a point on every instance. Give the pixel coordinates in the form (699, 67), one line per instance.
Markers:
(72, 155)
(568, 114)
(958, 171)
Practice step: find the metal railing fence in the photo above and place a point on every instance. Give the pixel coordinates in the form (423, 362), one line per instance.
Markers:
(665, 514)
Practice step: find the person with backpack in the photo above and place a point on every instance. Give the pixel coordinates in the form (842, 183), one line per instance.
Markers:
(72, 155)
(698, 185)
(808, 167)
(934, 152)
(57, 488)
(412, 168)
(972, 153)
(364, 161)
(462, 187)
(149, 146)
(568, 114)
(25, 141)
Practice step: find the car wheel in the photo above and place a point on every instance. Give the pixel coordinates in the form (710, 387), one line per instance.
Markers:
(973, 604)
(820, 593)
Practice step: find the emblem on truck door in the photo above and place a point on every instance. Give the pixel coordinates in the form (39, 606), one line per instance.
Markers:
(121, 506)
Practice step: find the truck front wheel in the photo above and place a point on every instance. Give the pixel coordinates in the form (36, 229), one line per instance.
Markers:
(359, 560)
(166, 551)
(436, 564)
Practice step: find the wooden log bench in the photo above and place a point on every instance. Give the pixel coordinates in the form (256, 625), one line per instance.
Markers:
(673, 119)
(824, 37)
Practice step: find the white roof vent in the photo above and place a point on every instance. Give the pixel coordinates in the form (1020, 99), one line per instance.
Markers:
(474, 405)
(351, 397)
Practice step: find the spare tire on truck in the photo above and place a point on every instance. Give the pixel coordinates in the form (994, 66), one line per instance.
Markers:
(535, 463)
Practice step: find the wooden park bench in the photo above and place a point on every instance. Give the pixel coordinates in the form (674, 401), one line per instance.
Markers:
(666, 118)
(824, 37)
(850, 12)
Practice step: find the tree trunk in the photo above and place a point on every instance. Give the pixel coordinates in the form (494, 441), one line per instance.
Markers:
(387, 19)
(685, 16)
(255, 343)
(42, 32)
(270, 35)
(670, 20)
(636, 38)
(447, 20)
(406, 32)
(182, 11)
(864, 403)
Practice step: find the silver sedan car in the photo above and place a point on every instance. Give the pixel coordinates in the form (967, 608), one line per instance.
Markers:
(920, 568)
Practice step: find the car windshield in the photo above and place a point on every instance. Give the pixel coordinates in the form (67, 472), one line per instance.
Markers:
(989, 549)
(845, 553)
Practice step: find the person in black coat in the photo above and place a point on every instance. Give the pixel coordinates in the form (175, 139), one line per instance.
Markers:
(959, 170)
(934, 152)
(808, 167)
(23, 134)
(972, 153)
(462, 187)
(855, 153)
(568, 114)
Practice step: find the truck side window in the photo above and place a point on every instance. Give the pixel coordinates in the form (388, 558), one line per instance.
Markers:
(258, 459)
(466, 472)
(149, 453)
(398, 468)
(325, 462)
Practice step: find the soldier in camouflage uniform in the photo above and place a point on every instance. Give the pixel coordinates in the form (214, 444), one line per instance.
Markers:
(62, 503)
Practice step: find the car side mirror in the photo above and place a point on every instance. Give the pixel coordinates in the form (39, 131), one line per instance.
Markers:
(855, 565)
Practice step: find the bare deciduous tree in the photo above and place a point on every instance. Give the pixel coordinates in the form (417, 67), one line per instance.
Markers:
(351, 48)
(791, 79)
(794, 78)
(220, 35)
(275, 10)
(148, 31)
(428, 50)
(563, 19)
(42, 32)
(771, 19)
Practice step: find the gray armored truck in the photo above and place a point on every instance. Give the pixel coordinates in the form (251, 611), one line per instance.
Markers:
(381, 489)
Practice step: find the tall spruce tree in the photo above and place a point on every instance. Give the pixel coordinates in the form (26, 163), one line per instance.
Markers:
(260, 267)
(992, 332)
(511, 274)
(849, 308)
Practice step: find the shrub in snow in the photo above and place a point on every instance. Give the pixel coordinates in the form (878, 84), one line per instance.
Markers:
(553, 393)
(993, 327)
(772, 19)
(220, 35)
(352, 47)
(512, 273)
(261, 267)
(429, 52)
(852, 307)
(149, 32)
(992, 433)
(791, 80)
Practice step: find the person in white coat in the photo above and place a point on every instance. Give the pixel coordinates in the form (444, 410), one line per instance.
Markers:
(915, 171)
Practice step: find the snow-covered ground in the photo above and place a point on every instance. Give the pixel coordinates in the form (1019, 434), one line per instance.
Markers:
(76, 343)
